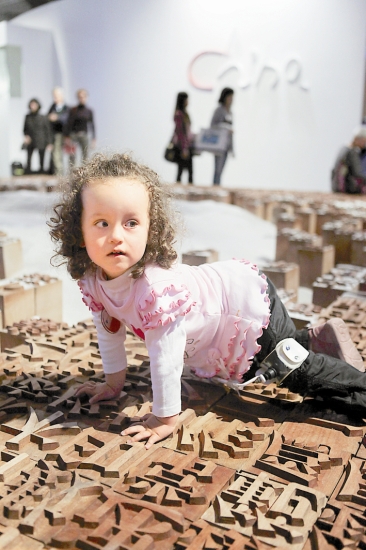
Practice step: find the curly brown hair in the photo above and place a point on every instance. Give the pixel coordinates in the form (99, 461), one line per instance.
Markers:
(66, 223)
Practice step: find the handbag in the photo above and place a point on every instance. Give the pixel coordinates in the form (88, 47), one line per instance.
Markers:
(172, 153)
(69, 148)
(213, 140)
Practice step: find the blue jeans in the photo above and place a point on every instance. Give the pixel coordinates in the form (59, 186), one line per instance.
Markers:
(219, 166)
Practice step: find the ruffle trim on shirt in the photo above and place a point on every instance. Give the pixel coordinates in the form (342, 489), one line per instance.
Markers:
(249, 345)
(89, 300)
(160, 307)
(238, 361)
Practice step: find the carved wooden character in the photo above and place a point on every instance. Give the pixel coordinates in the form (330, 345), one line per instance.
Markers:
(172, 480)
(258, 506)
(250, 474)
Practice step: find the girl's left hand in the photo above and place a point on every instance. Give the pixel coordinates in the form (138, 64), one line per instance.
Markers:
(153, 428)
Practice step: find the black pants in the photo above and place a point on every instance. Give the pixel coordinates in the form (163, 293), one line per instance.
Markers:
(185, 164)
(332, 379)
(41, 153)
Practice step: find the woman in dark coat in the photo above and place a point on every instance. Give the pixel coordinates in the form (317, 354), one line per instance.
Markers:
(37, 134)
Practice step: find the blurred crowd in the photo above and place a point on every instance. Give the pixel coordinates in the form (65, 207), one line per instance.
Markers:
(67, 132)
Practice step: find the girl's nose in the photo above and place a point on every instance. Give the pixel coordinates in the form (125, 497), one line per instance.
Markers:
(116, 234)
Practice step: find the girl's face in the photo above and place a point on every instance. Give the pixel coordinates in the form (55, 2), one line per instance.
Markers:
(115, 223)
(33, 106)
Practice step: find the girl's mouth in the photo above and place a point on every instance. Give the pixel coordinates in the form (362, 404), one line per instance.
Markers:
(116, 254)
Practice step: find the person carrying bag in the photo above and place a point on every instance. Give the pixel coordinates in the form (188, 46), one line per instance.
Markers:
(222, 120)
(180, 149)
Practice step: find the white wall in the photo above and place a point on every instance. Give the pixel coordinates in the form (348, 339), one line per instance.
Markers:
(4, 104)
(133, 57)
(40, 72)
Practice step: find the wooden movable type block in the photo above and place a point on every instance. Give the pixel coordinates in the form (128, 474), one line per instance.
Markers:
(48, 298)
(288, 220)
(341, 238)
(283, 275)
(358, 248)
(194, 194)
(323, 294)
(323, 216)
(282, 242)
(270, 204)
(47, 295)
(283, 209)
(11, 259)
(16, 303)
(198, 257)
(217, 195)
(342, 278)
(10, 337)
(255, 206)
(300, 240)
(314, 262)
(307, 217)
(179, 191)
(303, 315)
(287, 295)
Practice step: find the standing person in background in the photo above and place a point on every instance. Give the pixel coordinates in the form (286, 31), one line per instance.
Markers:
(222, 118)
(58, 115)
(79, 124)
(37, 134)
(183, 137)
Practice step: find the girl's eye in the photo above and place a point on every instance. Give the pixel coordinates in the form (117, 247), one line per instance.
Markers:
(102, 224)
(131, 223)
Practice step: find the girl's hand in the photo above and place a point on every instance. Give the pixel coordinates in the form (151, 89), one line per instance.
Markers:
(99, 391)
(110, 389)
(153, 428)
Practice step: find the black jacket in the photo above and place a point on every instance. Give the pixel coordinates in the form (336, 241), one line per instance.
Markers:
(62, 114)
(38, 128)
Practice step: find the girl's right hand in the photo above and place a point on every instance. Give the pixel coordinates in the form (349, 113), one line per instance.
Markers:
(99, 391)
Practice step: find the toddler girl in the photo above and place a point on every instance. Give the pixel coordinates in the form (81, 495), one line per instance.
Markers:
(115, 230)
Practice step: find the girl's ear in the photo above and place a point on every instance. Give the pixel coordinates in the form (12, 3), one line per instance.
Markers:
(82, 244)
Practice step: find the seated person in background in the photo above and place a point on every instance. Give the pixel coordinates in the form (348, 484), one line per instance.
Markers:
(348, 175)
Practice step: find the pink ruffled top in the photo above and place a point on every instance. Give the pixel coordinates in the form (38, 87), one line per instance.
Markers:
(207, 317)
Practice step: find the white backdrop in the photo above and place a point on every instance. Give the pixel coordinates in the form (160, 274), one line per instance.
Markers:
(297, 69)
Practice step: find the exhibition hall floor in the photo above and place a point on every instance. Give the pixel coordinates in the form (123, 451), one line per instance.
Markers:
(230, 230)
